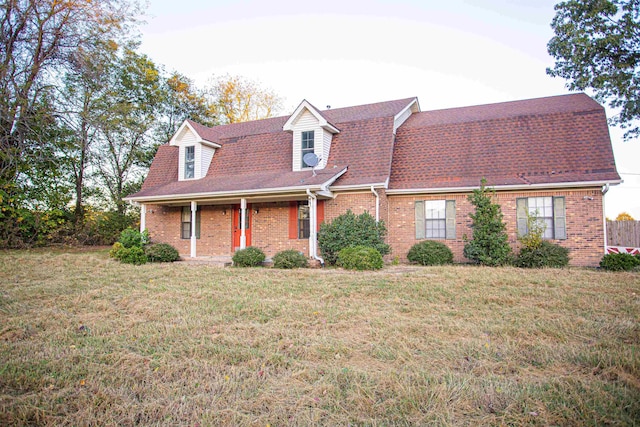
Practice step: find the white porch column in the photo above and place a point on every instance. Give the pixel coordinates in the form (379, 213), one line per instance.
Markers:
(243, 223)
(313, 225)
(143, 217)
(194, 209)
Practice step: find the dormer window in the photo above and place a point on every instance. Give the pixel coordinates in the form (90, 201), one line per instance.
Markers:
(189, 162)
(308, 139)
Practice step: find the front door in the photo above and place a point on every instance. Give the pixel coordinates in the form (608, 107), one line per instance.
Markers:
(237, 231)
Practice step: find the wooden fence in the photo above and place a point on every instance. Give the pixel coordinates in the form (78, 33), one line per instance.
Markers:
(623, 233)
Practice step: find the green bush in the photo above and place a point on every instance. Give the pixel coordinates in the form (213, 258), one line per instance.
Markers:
(545, 254)
(619, 262)
(351, 230)
(116, 250)
(430, 252)
(133, 255)
(360, 258)
(130, 238)
(161, 252)
(489, 244)
(248, 257)
(290, 259)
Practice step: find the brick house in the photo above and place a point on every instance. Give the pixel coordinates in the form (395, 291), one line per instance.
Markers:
(213, 190)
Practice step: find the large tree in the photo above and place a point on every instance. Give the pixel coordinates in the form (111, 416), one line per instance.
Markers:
(597, 46)
(239, 99)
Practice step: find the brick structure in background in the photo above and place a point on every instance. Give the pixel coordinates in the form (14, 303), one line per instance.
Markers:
(556, 147)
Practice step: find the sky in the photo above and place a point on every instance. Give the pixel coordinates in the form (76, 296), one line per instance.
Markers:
(449, 54)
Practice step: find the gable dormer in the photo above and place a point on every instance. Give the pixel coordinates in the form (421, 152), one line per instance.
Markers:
(195, 153)
(403, 115)
(312, 133)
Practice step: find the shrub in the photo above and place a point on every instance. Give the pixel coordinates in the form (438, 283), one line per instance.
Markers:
(115, 251)
(133, 255)
(161, 252)
(360, 258)
(130, 238)
(248, 257)
(430, 252)
(489, 244)
(546, 254)
(619, 262)
(290, 259)
(351, 230)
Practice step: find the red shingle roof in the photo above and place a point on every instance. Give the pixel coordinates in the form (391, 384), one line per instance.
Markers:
(550, 140)
(559, 139)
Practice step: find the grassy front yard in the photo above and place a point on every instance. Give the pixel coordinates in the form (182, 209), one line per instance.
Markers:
(85, 340)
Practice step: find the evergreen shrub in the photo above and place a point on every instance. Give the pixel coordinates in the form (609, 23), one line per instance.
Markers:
(545, 254)
(360, 258)
(248, 257)
(619, 262)
(161, 252)
(430, 252)
(290, 259)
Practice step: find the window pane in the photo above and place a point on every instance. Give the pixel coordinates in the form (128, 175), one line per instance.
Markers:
(436, 228)
(189, 162)
(542, 208)
(303, 220)
(186, 230)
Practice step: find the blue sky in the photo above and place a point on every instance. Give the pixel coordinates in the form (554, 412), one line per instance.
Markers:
(341, 53)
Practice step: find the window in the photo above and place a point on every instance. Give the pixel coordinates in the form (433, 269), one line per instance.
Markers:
(189, 162)
(549, 210)
(435, 219)
(303, 220)
(185, 224)
(307, 145)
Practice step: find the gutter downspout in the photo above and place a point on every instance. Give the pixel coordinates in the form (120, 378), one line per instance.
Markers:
(313, 227)
(375, 193)
(605, 188)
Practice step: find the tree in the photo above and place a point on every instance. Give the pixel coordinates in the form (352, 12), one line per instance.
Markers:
(238, 99)
(597, 46)
(489, 244)
(624, 216)
(130, 109)
(183, 100)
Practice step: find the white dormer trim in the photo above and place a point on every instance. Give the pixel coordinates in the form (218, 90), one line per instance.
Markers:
(405, 113)
(204, 150)
(186, 125)
(305, 105)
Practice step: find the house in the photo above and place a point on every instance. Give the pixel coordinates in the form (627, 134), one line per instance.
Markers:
(213, 190)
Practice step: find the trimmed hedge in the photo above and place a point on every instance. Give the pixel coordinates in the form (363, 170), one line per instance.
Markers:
(248, 257)
(161, 252)
(547, 254)
(360, 258)
(290, 259)
(133, 255)
(619, 262)
(430, 252)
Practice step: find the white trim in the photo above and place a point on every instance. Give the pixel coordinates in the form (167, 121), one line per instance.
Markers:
(194, 210)
(415, 108)
(305, 105)
(556, 185)
(243, 224)
(143, 217)
(199, 139)
(359, 186)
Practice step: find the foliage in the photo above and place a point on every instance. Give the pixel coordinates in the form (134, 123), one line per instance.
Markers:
(489, 243)
(239, 99)
(351, 230)
(430, 252)
(248, 257)
(134, 255)
(597, 46)
(546, 254)
(130, 238)
(360, 258)
(290, 259)
(619, 262)
(161, 252)
(535, 232)
(116, 250)
(624, 216)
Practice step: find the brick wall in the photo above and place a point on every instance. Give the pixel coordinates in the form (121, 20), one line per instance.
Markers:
(585, 231)
(271, 229)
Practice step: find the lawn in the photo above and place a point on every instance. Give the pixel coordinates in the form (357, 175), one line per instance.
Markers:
(85, 340)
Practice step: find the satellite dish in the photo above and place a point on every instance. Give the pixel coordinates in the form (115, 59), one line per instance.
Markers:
(310, 159)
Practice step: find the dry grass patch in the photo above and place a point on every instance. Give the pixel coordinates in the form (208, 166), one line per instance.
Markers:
(88, 341)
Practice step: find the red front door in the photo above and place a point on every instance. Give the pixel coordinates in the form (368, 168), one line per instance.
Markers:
(237, 232)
